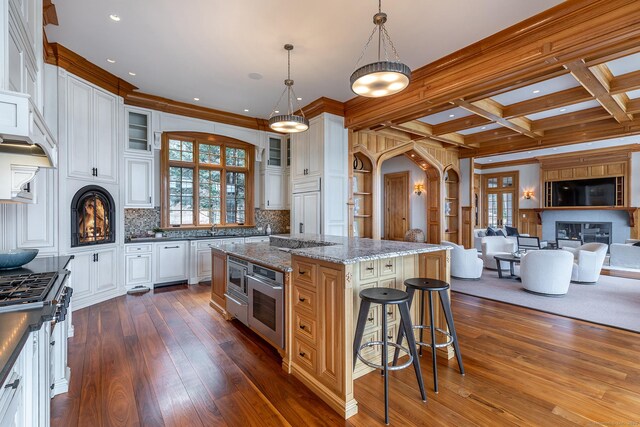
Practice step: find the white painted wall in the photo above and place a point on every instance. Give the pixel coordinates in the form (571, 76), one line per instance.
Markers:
(635, 179)
(529, 180)
(466, 182)
(417, 204)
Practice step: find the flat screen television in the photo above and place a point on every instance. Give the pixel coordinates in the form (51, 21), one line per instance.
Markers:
(584, 192)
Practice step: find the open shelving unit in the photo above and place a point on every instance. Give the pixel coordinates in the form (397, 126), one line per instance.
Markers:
(451, 208)
(362, 196)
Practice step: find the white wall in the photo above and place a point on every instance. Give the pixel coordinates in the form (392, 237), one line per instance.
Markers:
(635, 179)
(466, 182)
(529, 180)
(417, 204)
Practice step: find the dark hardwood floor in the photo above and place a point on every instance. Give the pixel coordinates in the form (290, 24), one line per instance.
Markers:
(166, 358)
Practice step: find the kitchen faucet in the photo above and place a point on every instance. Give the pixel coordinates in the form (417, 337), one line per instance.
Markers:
(213, 229)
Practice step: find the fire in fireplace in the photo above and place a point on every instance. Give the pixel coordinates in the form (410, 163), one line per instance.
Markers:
(92, 217)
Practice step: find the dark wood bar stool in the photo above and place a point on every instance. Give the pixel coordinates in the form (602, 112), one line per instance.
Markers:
(387, 296)
(430, 286)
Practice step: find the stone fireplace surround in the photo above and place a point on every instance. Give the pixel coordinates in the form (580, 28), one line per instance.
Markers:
(618, 219)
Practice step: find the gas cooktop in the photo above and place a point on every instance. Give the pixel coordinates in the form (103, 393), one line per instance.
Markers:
(29, 288)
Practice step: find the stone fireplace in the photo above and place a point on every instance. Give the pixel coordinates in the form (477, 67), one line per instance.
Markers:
(92, 217)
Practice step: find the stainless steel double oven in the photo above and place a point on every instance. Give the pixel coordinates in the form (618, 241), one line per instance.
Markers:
(255, 296)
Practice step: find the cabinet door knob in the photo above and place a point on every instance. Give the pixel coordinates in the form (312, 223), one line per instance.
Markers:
(390, 313)
(301, 299)
(369, 268)
(52, 343)
(302, 326)
(302, 273)
(13, 385)
(370, 319)
(172, 247)
(388, 265)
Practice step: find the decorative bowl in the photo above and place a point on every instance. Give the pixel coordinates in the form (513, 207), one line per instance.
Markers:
(16, 258)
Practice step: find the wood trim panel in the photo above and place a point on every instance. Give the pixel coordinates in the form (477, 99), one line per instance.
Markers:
(467, 228)
(528, 222)
(588, 157)
(536, 46)
(510, 163)
(49, 13)
(323, 105)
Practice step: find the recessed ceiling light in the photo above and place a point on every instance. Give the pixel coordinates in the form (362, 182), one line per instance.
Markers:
(589, 143)
(536, 91)
(276, 111)
(246, 110)
(528, 152)
(196, 99)
(111, 61)
(555, 148)
(490, 160)
(452, 115)
(413, 155)
(483, 128)
(299, 99)
(563, 109)
(132, 73)
(114, 17)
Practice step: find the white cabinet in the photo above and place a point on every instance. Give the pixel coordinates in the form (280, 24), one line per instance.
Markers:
(138, 137)
(275, 152)
(92, 129)
(138, 182)
(257, 239)
(37, 222)
(272, 181)
(306, 153)
(94, 276)
(138, 265)
(305, 215)
(201, 257)
(171, 262)
(286, 188)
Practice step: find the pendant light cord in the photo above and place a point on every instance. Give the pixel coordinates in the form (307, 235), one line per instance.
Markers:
(383, 38)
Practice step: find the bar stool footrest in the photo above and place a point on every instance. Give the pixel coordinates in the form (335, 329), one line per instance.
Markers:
(438, 345)
(381, 367)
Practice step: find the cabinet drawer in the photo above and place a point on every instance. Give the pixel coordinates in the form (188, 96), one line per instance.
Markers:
(393, 313)
(387, 266)
(372, 353)
(137, 249)
(304, 355)
(305, 327)
(304, 300)
(391, 283)
(373, 317)
(206, 244)
(368, 269)
(304, 274)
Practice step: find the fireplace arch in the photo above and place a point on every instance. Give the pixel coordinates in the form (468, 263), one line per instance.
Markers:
(92, 217)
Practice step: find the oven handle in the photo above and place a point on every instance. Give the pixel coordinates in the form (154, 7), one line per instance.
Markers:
(234, 300)
(271, 285)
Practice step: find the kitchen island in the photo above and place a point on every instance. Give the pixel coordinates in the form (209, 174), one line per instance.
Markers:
(324, 276)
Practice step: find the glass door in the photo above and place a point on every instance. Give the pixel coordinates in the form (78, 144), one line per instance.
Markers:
(500, 200)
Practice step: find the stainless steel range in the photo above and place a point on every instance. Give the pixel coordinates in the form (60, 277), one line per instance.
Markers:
(23, 291)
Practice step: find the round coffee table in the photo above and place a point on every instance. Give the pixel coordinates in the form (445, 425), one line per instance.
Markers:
(512, 260)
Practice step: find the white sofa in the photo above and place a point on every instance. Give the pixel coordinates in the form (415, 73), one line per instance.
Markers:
(496, 245)
(624, 255)
(588, 260)
(546, 272)
(465, 263)
(479, 234)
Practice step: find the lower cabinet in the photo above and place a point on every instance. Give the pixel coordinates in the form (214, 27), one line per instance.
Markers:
(305, 213)
(201, 257)
(25, 395)
(94, 276)
(218, 280)
(171, 262)
(138, 265)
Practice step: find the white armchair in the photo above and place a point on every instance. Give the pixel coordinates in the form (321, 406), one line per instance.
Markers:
(496, 245)
(465, 263)
(546, 272)
(625, 255)
(588, 260)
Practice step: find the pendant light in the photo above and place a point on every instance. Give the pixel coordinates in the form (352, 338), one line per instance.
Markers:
(384, 77)
(288, 123)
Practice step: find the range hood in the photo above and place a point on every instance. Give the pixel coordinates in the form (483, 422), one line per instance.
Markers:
(26, 145)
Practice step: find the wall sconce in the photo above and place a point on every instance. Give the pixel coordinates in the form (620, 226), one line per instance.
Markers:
(528, 194)
(418, 188)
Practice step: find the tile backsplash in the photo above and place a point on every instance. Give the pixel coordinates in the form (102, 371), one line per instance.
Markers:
(137, 222)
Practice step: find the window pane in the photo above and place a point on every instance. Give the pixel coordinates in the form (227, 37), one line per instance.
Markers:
(209, 154)
(209, 190)
(174, 144)
(235, 197)
(235, 157)
(180, 195)
(492, 209)
(492, 183)
(507, 181)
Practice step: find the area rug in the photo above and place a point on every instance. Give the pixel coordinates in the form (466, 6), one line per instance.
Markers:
(613, 301)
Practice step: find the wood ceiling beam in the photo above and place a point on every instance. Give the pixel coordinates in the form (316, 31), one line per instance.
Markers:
(633, 106)
(490, 135)
(492, 110)
(426, 130)
(575, 118)
(597, 82)
(603, 129)
(460, 124)
(547, 102)
(625, 82)
(565, 33)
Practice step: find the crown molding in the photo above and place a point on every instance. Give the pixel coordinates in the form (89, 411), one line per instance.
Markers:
(323, 105)
(505, 164)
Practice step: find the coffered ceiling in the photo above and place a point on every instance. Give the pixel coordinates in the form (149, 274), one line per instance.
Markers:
(229, 53)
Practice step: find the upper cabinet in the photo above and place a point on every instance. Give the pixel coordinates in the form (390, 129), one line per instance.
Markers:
(275, 152)
(138, 138)
(307, 153)
(92, 124)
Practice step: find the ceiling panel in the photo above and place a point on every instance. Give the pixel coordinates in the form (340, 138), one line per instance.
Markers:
(536, 90)
(564, 110)
(445, 116)
(625, 65)
(489, 126)
(634, 94)
(209, 48)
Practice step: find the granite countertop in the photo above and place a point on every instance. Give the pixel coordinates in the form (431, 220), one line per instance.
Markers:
(335, 249)
(16, 326)
(175, 239)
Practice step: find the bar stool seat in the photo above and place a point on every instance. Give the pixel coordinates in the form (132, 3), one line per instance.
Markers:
(429, 286)
(384, 297)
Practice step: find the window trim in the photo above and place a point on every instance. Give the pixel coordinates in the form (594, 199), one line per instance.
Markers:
(206, 138)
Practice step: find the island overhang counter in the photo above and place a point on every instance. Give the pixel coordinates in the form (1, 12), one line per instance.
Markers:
(324, 276)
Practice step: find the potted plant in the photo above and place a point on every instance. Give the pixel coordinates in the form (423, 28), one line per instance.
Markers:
(158, 232)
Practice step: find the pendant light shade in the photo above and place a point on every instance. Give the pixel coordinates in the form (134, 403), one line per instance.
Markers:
(383, 77)
(288, 123)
